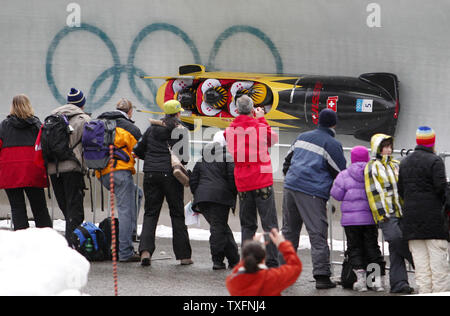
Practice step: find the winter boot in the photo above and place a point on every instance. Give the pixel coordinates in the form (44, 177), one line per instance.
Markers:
(379, 284)
(323, 282)
(360, 284)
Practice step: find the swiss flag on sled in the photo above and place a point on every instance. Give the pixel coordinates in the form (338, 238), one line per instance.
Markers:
(332, 103)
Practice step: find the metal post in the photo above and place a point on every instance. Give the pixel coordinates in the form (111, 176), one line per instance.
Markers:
(330, 216)
(137, 196)
(94, 198)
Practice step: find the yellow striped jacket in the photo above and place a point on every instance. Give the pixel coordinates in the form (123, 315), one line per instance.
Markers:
(381, 177)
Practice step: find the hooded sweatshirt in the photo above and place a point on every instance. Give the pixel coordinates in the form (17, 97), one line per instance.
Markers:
(77, 119)
(381, 177)
(17, 167)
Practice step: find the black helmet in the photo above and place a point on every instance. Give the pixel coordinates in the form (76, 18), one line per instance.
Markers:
(216, 97)
(187, 98)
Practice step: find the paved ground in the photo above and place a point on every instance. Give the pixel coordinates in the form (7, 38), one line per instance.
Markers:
(168, 278)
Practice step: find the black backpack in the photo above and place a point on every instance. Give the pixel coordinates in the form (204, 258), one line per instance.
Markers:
(348, 276)
(90, 241)
(55, 140)
(105, 226)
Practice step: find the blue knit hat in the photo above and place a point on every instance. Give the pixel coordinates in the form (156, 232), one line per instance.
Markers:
(76, 97)
(327, 118)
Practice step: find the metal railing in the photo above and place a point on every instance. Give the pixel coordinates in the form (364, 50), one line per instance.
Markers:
(330, 214)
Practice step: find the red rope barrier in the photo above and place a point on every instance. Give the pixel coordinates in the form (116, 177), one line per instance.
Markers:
(113, 222)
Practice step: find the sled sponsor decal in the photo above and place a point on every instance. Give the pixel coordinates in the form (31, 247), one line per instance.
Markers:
(332, 103)
(364, 105)
(315, 102)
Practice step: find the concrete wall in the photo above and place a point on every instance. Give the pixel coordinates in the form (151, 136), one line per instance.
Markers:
(119, 40)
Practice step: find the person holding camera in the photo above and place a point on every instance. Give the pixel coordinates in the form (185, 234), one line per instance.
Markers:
(248, 139)
(251, 277)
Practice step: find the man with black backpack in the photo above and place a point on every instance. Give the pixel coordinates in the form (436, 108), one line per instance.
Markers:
(62, 153)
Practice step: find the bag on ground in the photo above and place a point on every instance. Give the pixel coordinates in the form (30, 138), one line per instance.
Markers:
(348, 276)
(105, 226)
(90, 241)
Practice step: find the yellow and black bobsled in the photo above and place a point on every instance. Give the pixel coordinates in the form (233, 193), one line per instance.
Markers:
(365, 105)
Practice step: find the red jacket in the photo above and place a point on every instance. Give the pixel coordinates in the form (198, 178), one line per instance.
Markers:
(248, 141)
(266, 282)
(17, 154)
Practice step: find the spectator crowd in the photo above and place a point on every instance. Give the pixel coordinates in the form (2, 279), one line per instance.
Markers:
(405, 200)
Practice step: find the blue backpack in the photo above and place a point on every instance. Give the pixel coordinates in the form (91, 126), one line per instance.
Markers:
(90, 241)
(98, 135)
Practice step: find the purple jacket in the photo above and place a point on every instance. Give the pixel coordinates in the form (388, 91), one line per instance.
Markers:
(349, 188)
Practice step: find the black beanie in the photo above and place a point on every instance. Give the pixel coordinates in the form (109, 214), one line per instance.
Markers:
(327, 118)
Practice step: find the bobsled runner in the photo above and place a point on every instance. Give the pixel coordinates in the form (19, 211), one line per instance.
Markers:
(365, 105)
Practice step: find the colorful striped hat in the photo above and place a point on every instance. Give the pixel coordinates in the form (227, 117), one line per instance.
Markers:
(425, 136)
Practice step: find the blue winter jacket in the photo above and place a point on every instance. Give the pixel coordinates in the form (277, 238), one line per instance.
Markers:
(313, 162)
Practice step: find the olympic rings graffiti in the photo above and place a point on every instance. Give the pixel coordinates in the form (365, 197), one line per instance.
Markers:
(132, 71)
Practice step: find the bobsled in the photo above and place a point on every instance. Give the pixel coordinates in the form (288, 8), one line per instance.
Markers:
(365, 105)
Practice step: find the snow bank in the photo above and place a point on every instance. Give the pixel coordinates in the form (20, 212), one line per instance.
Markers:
(38, 261)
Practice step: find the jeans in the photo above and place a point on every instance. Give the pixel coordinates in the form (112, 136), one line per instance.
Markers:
(38, 204)
(157, 186)
(125, 196)
(263, 202)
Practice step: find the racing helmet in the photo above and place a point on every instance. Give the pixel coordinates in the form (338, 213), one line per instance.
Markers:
(187, 98)
(257, 93)
(216, 97)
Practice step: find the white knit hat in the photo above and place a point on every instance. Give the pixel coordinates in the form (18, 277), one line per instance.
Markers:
(220, 138)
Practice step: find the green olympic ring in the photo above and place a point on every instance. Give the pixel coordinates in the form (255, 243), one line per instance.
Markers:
(132, 71)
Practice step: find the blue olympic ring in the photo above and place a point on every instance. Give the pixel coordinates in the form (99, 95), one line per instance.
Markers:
(132, 71)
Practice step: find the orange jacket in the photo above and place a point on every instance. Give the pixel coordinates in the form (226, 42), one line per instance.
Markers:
(266, 282)
(127, 136)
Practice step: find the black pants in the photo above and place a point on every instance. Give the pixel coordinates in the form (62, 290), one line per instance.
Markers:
(68, 188)
(157, 186)
(38, 204)
(363, 248)
(260, 201)
(221, 241)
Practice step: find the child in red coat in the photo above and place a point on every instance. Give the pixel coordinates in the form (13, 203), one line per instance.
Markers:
(252, 278)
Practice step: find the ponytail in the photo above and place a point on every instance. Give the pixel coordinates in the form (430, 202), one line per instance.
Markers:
(253, 254)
